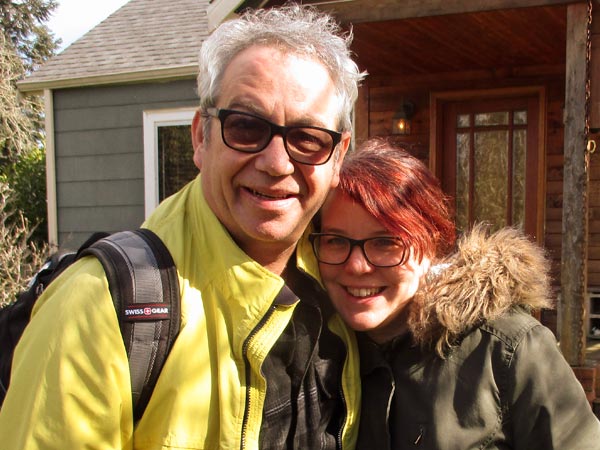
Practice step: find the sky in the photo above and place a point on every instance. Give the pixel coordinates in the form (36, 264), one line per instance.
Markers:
(73, 18)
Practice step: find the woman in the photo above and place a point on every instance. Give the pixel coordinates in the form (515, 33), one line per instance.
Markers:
(451, 357)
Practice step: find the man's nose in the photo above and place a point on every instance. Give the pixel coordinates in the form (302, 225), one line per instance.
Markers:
(274, 158)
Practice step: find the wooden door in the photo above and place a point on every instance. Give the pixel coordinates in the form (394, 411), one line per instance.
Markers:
(490, 161)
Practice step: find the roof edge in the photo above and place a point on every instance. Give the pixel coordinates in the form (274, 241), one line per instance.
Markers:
(111, 78)
(220, 10)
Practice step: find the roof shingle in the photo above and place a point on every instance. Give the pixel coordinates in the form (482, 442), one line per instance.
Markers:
(144, 39)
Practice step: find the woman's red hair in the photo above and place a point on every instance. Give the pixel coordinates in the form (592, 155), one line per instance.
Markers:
(399, 191)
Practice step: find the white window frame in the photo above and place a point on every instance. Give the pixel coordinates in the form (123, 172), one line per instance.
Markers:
(152, 120)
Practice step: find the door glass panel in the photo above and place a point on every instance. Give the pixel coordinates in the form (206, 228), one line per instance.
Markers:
(175, 164)
(463, 144)
(520, 118)
(463, 120)
(490, 150)
(518, 178)
(490, 188)
(493, 118)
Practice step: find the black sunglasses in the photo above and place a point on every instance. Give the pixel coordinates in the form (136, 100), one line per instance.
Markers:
(249, 133)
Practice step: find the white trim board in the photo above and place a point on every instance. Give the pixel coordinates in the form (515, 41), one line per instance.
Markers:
(152, 120)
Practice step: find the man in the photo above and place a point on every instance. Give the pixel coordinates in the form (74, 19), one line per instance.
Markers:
(258, 362)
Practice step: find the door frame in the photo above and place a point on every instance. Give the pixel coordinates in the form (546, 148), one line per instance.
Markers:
(437, 101)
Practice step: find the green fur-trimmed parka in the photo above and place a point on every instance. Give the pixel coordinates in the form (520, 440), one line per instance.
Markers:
(476, 370)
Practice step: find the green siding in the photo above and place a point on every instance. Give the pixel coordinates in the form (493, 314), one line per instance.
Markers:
(100, 154)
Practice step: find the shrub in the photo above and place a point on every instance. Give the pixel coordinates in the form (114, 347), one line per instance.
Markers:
(26, 178)
(20, 257)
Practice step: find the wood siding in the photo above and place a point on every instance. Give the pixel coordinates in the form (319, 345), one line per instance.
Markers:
(100, 154)
(384, 94)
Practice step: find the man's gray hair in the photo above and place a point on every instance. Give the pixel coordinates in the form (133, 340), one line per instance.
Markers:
(297, 29)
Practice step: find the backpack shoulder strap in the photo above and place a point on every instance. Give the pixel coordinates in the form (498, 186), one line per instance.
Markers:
(143, 282)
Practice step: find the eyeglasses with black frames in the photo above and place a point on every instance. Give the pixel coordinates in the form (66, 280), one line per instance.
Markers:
(384, 251)
(249, 133)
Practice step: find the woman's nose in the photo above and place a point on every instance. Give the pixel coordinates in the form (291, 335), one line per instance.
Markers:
(357, 261)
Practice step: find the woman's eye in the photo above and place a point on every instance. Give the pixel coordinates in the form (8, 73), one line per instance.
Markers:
(386, 243)
(334, 241)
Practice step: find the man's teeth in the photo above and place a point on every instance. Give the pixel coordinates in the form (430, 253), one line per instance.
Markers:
(260, 194)
(363, 292)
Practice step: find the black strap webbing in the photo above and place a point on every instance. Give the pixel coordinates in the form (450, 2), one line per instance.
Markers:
(146, 301)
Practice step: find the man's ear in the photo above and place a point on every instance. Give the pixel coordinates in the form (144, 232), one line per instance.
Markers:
(198, 138)
(341, 153)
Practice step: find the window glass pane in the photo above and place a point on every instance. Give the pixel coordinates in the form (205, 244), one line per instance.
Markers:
(520, 117)
(175, 164)
(489, 119)
(463, 120)
(491, 177)
(518, 178)
(462, 180)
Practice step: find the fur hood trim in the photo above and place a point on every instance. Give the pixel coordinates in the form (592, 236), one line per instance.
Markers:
(483, 279)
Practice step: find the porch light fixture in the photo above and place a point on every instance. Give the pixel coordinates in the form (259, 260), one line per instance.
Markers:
(401, 120)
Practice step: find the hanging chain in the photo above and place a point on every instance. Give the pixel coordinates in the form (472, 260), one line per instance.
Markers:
(591, 144)
(590, 149)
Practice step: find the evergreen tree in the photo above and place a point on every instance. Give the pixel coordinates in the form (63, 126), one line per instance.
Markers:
(23, 23)
(17, 113)
(25, 43)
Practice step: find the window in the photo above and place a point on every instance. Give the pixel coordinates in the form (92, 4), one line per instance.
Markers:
(168, 153)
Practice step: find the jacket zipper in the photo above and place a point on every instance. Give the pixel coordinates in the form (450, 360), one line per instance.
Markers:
(419, 437)
(253, 333)
(339, 444)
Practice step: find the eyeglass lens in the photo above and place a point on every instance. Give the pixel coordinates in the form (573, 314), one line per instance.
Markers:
(247, 133)
(379, 251)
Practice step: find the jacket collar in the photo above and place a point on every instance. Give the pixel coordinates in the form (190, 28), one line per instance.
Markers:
(489, 274)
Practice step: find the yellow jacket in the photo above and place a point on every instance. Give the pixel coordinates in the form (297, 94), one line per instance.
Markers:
(70, 385)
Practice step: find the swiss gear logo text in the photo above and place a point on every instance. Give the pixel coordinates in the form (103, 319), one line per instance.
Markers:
(147, 311)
